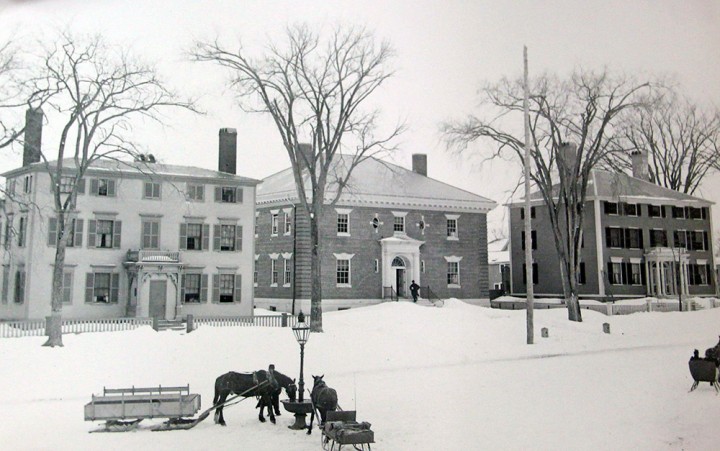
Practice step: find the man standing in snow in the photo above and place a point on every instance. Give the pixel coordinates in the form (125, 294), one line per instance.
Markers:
(414, 288)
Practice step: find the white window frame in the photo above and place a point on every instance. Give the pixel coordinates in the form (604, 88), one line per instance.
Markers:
(287, 273)
(274, 276)
(348, 258)
(399, 215)
(287, 224)
(274, 225)
(456, 235)
(454, 259)
(196, 192)
(343, 213)
(255, 272)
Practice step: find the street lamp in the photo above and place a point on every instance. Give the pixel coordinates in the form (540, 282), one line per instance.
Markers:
(302, 333)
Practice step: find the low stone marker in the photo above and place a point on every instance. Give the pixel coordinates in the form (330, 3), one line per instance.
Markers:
(606, 328)
(544, 332)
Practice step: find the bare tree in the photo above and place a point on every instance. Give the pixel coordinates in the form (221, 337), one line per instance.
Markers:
(97, 90)
(11, 97)
(314, 90)
(582, 109)
(680, 139)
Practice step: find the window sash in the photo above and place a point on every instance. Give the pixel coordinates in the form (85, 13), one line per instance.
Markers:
(342, 272)
(227, 287)
(453, 273)
(193, 283)
(399, 224)
(274, 223)
(452, 228)
(342, 223)
(227, 237)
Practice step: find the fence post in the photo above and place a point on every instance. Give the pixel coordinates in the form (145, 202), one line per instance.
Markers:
(649, 305)
(606, 328)
(284, 320)
(155, 323)
(609, 309)
(544, 332)
(190, 325)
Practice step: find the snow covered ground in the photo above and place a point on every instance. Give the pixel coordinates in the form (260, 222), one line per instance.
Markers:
(457, 377)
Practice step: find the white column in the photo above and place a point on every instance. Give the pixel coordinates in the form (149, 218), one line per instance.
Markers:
(658, 279)
(648, 281)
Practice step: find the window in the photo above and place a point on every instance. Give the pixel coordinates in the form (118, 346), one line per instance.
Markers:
(422, 266)
(67, 184)
(631, 209)
(635, 273)
(8, 231)
(656, 211)
(10, 187)
(227, 288)
(698, 273)
(611, 208)
(343, 224)
(75, 232)
(399, 222)
(532, 213)
(680, 239)
(21, 231)
(104, 233)
(342, 272)
(19, 286)
(286, 273)
(581, 276)
(27, 186)
(102, 287)
(228, 194)
(535, 275)
(377, 265)
(533, 237)
(194, 236)
(152, 190)
(66, 286)
(658, 238)
(698, 240)
(678, 212)
(226, 236)
(615, 273)
(196, 192)
(102, 187)
(376, 223)
(194, 288)
(288, 222)
(5, 284)
(633, 239)
(452, 228)
(273, 271)
(150, 233)
(695, 213)
(255, 277)
(453, 273)
(273, 223)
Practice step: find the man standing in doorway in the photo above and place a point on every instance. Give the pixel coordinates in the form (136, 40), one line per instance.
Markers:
(414, 288)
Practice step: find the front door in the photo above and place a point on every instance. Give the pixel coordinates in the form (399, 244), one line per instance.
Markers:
(158, 298)
(400, 281)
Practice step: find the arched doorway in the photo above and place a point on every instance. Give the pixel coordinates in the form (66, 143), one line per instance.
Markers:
(399, 268)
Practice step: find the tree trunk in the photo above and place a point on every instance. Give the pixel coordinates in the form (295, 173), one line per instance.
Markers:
(54, 325)
(571, 292)
(316, 275)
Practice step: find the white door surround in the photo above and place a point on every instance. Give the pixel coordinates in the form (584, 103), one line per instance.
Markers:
(407, 251)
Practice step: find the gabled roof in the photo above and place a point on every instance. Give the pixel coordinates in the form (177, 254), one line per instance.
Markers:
(138, 168)
(613, 186)
(378, 183)
(498, 251)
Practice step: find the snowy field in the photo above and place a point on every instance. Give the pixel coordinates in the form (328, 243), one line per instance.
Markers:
(457, 377)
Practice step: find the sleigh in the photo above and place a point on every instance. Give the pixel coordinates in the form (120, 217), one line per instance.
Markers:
(341, 428)
(703, 370)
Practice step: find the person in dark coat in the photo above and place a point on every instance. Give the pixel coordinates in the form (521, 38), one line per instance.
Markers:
(414, 288)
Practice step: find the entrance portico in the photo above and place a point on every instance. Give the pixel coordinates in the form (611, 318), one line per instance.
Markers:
(400, 262)
(153, 278)
(663, 265)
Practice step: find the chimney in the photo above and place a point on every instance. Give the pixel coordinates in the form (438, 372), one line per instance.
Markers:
(566, 159)
(419, 163)
(306, 150)
(227, 151)
(640, 165)
(33, 136)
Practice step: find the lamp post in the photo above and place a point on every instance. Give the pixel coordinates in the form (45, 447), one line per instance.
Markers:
(300, 408)
(302, 333)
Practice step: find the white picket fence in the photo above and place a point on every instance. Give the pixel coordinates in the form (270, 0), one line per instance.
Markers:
(283, 320)
(36, 327)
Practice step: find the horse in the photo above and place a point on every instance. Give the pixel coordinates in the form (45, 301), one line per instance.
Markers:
(245, 384)
(323, 398)
(713, 353)
(290, 388)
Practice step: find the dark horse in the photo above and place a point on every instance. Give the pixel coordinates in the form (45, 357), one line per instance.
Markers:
(323, 398)
(245, 384)
(283, 382)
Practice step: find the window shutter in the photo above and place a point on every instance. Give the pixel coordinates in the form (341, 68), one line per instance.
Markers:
(92, 228)
(640, 240)
(67, 287)
(114, 287)
(89, 286)
(608, 240)
(705, 241)
(206, 237)
(183, 237)
(625, 272)
(238, 288)
(238, 238)
(524, 273)
(216, 237)
(610, 273)
(20, 298)
(239, 195)
(117, 232)
(643, 274)
(94, 187)
(5, 284)
(77, 239)
(203, 288)
(148, 189)
(52, 232)
(182, 289)
(111, 188)
(81, 186)
(218, 193)
(216, 288)
(522, 240)
(533, 237)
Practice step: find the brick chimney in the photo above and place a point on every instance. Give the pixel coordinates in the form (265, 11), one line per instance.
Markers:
(227, 151)
(33, 136)
(640, 165)
(306, 150)
(567, 156)
(419, 163)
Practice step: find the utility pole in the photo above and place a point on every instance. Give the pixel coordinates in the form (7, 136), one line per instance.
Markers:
(529, 303)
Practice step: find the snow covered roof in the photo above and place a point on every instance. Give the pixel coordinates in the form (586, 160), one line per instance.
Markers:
(498, 251)
(128, 168)
(375, 182)
(614, 186)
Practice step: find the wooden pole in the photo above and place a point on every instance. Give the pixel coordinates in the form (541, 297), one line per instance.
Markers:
(529, 304)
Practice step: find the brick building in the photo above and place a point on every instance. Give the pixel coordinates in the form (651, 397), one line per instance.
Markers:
(639, 239)
(149, 240)
(390, 226)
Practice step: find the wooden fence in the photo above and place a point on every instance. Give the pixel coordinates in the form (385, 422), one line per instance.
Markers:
(37, 327)
(283, 320)
(608, 308)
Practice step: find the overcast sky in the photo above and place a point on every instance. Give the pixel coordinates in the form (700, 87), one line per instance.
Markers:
(445, 51)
